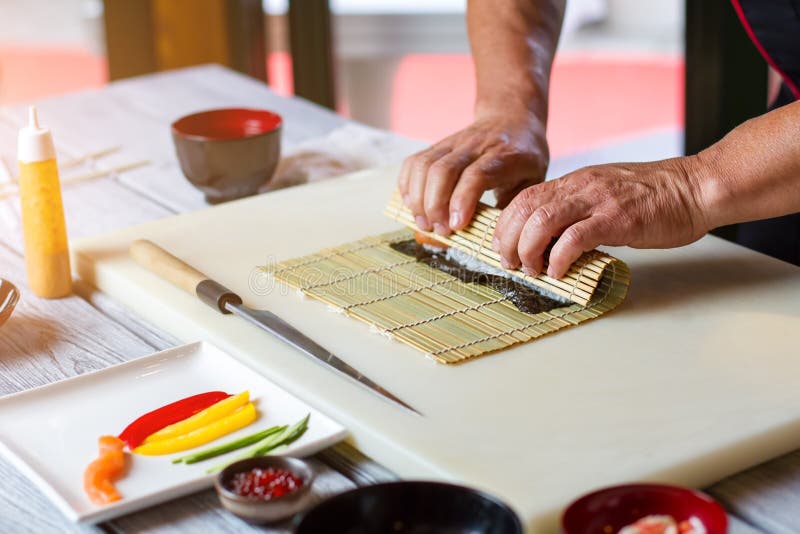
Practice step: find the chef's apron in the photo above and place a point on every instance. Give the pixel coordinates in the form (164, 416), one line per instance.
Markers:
(774, 27)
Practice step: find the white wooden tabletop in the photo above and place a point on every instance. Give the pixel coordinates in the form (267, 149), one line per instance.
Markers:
(45, 341)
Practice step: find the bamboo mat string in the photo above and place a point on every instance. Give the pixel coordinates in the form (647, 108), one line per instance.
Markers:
(489, 338)
(580, 274)
(486, 228)
(321, 257)
(398, 294)
(445, 314)
(377, 269)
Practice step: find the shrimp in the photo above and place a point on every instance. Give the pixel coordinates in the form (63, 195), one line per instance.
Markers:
(98, 479)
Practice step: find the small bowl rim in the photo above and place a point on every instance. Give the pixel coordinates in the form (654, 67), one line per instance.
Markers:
(265, 461)
(638, 486)
(449, 485)
(7, 306)
(175, 129)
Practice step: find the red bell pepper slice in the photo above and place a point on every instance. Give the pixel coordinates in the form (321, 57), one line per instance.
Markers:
(136, 432)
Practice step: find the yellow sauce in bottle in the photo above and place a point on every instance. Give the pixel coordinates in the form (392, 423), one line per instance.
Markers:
(44, 228)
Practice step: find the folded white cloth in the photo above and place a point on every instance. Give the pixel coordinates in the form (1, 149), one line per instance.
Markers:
(350, 148)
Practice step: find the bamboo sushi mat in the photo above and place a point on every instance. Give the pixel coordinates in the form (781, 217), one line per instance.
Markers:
(436, 313)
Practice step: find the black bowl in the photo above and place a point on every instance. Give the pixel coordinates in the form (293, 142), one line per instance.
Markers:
(411, 508)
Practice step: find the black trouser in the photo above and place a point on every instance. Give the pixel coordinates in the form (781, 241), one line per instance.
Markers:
(778, 237)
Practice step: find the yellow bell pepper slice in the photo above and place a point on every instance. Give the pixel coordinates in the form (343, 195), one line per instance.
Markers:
(230, 423)
(200, 419)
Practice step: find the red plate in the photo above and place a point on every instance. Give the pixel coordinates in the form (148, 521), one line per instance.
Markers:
(607, 510)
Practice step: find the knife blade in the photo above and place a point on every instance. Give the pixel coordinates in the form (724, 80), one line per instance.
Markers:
(222, 299)
(273, 324)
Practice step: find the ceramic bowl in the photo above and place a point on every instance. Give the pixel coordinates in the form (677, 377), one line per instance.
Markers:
(410, 506)
(258, 510)
(9, 296)
(228, 153)
(608, 510)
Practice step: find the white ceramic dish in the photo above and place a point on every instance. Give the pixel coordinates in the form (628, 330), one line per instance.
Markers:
(50, 433)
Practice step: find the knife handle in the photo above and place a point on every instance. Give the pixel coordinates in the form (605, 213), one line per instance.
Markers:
(181, 274)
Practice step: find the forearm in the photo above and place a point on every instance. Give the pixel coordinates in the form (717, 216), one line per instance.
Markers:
(754, 172)
(513, 43)
(505, 148)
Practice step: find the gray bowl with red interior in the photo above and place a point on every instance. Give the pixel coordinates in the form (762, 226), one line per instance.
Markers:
(228, 153)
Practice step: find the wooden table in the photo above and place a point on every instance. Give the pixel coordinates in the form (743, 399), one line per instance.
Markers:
(46, 341)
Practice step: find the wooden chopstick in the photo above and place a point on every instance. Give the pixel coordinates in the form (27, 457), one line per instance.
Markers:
(100, 173)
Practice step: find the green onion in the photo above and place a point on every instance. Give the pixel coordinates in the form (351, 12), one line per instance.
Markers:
(228, 447)
(284, 438)
(269, 443)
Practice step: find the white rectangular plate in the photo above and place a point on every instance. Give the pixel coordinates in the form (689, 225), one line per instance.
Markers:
(50, 433)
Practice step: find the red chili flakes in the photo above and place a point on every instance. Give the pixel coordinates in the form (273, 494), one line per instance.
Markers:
(265, 484)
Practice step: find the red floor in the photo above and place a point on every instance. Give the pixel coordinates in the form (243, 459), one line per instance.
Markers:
(594, 98)
(30, 73)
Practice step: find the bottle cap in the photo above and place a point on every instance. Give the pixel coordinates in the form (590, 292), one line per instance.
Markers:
(35, 143)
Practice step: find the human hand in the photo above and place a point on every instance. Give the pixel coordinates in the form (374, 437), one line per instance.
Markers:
(642, 205)
(443, 184)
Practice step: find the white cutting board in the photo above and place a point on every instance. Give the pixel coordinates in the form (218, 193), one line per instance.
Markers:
(693, 378)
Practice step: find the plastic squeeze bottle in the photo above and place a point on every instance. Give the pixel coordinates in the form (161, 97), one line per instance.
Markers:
(44, 228)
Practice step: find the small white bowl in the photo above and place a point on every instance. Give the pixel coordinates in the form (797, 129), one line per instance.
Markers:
(257, 510)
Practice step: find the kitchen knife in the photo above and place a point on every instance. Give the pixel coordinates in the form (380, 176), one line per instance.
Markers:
(225, 301)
